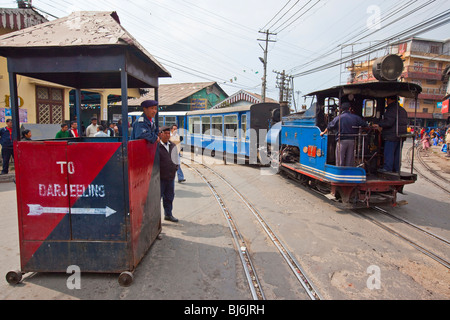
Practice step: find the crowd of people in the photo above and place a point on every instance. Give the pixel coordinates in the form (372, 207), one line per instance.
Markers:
(427, 137)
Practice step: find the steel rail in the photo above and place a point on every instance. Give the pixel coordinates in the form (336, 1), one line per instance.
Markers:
(430, 254)
(288, 257)
(241, 247)
(412, 225)
(432, 171)
(427, 168)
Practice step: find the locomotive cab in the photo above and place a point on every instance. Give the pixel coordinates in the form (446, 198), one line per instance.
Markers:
(308, 145)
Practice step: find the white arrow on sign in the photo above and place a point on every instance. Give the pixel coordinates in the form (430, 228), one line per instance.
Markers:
(37, 210)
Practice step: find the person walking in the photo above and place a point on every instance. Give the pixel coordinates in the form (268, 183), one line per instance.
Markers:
(447, 141)
(425, 143)
(6, 142)
(168, 169)
(176, 139)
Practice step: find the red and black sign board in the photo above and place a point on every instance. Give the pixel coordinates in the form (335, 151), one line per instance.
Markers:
(74, 205)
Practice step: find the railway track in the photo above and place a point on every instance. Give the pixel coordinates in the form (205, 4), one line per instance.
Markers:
(439, 180)
(437, 241)
(243, 249)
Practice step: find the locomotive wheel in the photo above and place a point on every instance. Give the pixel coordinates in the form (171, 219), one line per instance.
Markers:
(14, 277)
(125, 279)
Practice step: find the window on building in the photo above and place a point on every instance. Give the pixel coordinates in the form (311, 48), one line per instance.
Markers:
(418, 65)
(49, 105)
(435, 49)
(412, 104)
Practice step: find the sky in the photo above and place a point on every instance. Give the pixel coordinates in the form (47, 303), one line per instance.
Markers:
(217, 40)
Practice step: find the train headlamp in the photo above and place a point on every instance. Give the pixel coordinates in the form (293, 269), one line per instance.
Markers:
(388, 68)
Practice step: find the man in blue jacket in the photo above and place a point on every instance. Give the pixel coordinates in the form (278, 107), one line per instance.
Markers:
(346, 125)
(7, 145)
(145, 127)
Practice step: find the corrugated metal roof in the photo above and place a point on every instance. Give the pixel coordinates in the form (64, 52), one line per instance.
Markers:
(170, 94)
(85, 28)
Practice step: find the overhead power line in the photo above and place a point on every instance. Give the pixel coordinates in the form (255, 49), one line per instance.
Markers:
(271, 27)
(278, 28)
(436, 22)
(354, 37)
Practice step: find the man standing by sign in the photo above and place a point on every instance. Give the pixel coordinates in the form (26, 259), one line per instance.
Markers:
(167, 153)
(144, 127)
(7, 145)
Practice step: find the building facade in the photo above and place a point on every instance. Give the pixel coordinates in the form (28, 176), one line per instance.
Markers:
(424, 63)
(242, 98)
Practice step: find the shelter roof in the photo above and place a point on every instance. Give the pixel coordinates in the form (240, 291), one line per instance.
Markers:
(80, 29)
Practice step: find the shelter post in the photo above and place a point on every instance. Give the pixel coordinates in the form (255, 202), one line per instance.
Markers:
(14, 97)
(124, 88)
(78, 108)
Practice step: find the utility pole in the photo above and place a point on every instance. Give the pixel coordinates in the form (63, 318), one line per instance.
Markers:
(264, 61)
(283, 83)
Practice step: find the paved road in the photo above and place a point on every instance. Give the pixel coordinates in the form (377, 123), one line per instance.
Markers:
(196, 258)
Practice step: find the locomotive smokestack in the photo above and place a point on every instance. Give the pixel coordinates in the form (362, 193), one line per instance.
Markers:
(284, 109)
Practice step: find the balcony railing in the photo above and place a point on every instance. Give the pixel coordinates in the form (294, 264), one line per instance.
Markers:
(419, 72)
(432, 94)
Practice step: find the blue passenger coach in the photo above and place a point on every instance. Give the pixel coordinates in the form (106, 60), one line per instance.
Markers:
(233, 130)
(166, 118)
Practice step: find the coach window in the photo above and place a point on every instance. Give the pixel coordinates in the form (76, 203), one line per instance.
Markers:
(217, 126)
(161, 121)
(170, 121)
(194, 125)
(244, 127)
(206, 125)
(181, 125)
(231, 126)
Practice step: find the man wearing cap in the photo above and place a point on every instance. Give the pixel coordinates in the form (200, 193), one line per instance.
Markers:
(144, 127)
(168, 168)
(346, 124)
